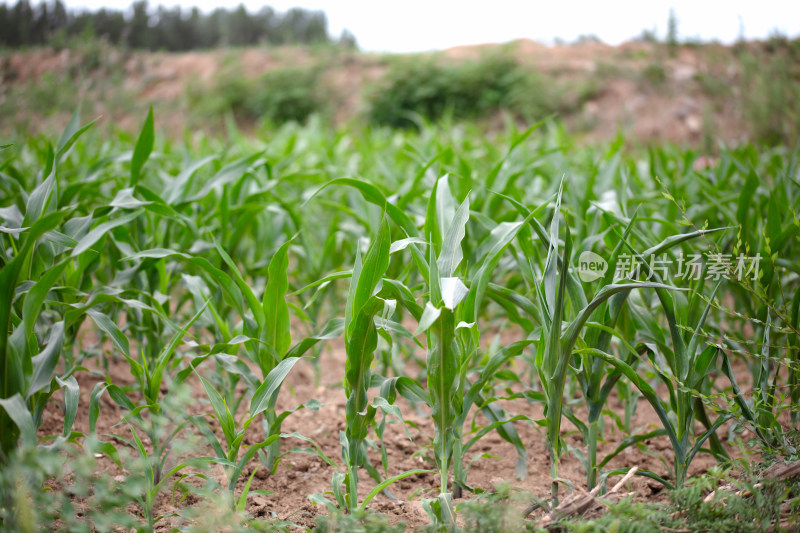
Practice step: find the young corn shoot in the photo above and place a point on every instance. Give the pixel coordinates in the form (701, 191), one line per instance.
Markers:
(556, 343)
(361, 340)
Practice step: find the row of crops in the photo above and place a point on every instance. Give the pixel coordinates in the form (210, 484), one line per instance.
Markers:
(654, 275)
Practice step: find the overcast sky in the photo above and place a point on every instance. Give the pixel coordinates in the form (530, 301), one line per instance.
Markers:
(414, 25)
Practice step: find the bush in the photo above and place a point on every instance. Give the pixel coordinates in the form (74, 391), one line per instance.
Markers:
(286, 94)
(431, 89)
(280, 95)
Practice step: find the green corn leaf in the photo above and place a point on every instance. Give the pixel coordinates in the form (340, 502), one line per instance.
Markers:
(488, 372)
(125, 200)
(647, 391)
(700, 441)
(743, 209)
(388, 482)
(164, 357)
(365, 279)
(241, 503)
(143, 148)
(40, 200)
(337, 480)
(231, 173)
(17, 411)
(360, 353)
(554, 355)
(323, 281)
(317, 451)
(446, 207)
(451, 254)
(94, 405)
(120, 398)
(495, 424)
(550, 277)
(72, 393)
(332, 330)
(254, 305)
(107, 326)
(276, 309)
(572, 332)
(630, 441)
(406, 386)
(45, 362)
(176, 190)
(228, 285)
(350, 310)
(403, 294)
(71, 133)
(402, 244)
(202, 426)
(221, 411)
(429, 316)
(263, 397)
(442, 364)
(498, 240)
(453, 292)
(373, 195)
(98, 232)
(247, 456)
(431, 230)
(507, 432)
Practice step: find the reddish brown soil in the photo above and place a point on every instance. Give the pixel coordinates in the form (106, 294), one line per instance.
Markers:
(300, 475)
(676, 107)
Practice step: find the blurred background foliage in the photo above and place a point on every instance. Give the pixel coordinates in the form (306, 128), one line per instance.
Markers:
(172, 29)
(275, 67)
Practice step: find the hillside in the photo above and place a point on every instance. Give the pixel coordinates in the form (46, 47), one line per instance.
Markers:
(689, 94)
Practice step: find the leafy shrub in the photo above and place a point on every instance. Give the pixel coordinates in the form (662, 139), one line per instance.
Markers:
(280, 95)
(228, 93)
(286, 94)
(430, 89)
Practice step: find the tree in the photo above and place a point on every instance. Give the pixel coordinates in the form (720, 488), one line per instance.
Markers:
(672, 33)
(348, 40)
(139, 26)
(164, 28)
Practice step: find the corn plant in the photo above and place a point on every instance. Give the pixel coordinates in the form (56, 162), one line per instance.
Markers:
(590, 373)
(555, 290)
(361, 339)
(234, 432)
(452, 342)
(37, 254)
(205, 262)
(683, 369)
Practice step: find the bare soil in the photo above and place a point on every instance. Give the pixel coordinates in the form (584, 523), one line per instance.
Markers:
(300, 475)
(640, 90)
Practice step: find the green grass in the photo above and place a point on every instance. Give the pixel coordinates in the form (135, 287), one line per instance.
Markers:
(227, 263)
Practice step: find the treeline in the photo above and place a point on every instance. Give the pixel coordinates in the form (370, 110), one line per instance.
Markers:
(173, 29)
